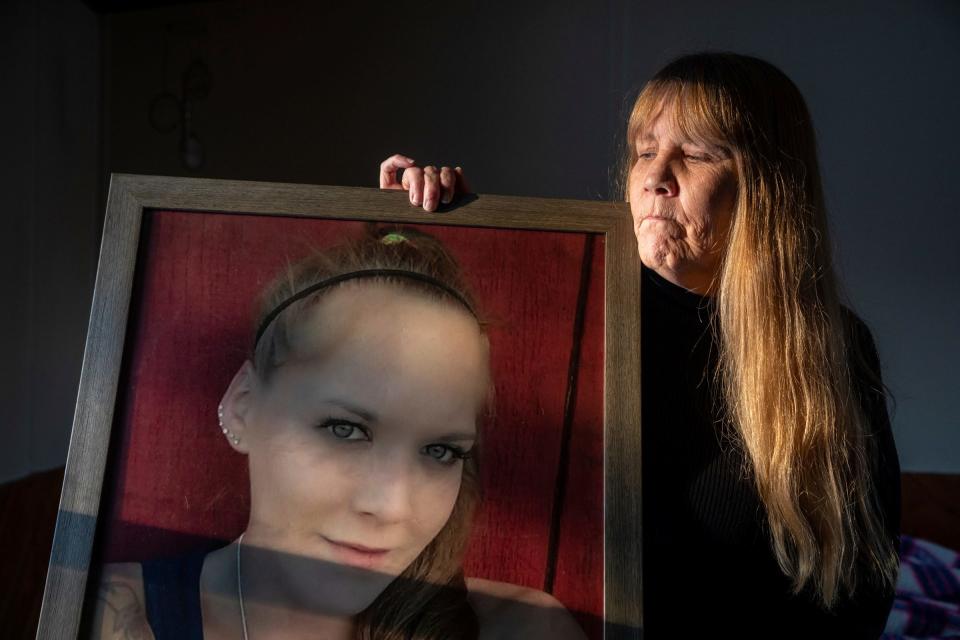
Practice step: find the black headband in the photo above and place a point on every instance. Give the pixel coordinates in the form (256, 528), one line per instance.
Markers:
(363, 273)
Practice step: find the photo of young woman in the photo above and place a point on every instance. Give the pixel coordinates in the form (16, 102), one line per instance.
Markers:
(358, 413)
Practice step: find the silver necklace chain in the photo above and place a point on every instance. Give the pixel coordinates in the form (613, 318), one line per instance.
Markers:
(243, 614)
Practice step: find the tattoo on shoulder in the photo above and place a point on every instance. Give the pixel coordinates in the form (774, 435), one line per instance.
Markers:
(129, 620)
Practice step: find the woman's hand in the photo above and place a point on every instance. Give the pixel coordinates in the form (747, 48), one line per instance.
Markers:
(428, 186)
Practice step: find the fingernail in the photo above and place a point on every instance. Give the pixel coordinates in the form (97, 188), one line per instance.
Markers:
(445, 200)
(411, 160)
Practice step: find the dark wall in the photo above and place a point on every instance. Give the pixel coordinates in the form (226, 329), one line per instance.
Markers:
(530, 100)
(307, 93)
(49, 190)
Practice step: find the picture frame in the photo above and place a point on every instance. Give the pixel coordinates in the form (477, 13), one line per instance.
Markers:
(136, 204)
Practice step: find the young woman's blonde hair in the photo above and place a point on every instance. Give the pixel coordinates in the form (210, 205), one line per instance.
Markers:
(428, 601)
(787, 347)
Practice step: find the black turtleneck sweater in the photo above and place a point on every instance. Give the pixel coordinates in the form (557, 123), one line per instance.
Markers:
(709, 569)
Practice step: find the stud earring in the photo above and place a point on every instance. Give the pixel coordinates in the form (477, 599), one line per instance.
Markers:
(226, 432)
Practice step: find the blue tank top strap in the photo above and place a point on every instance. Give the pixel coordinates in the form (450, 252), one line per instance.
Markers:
(171, 588)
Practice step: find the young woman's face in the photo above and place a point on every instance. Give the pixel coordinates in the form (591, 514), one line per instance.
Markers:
(682, 195)
(356, 445)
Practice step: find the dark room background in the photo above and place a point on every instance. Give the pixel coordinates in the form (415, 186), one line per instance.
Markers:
(529, 98)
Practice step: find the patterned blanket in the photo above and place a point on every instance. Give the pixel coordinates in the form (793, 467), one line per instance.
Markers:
(927, 603)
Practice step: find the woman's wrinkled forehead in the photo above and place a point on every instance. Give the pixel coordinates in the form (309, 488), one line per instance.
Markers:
(688, 108)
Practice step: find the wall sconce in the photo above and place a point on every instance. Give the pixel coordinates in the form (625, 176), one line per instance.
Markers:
(168, 111)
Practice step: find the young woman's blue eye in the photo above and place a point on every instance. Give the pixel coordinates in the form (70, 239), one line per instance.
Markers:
(444, 453)
(345, 430)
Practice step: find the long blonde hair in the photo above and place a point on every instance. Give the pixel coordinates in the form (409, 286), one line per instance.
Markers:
(785, 345)
(428, 601)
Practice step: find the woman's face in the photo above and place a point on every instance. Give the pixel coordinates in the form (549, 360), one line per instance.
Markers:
(682, 196)
(356, 444)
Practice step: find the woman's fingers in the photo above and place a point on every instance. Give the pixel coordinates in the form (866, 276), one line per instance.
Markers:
(389, 169)
(448, 184)
(440, 186)
(427, 187)
(431, 188)
(413, 182)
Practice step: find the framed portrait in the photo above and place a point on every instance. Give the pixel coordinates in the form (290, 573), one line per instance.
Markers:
(183, 264)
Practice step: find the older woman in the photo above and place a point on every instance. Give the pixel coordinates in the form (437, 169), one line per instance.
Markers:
(771, 504)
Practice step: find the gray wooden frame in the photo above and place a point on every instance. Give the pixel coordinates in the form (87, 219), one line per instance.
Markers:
(131, 195)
